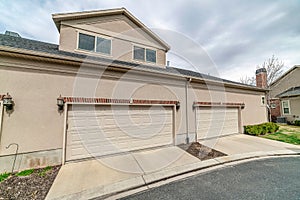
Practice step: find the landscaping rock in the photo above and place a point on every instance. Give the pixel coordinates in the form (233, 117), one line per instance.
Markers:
(200, 151)
(33, 186)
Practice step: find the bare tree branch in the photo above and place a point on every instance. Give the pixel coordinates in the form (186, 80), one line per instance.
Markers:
(273, 67)
(248, 80)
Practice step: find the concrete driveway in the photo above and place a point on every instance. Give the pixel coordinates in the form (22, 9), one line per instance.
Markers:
(242, 144)
(108, 175)
(92, 178)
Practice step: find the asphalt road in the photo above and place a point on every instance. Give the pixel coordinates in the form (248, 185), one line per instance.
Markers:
(275, 178)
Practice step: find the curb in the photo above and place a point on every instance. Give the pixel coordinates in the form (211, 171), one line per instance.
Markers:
(188, 170)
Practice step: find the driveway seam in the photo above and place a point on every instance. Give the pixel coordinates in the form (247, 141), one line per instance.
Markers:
(142, 176)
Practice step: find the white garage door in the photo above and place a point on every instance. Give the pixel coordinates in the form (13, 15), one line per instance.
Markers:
(101, 130)
(214, 122)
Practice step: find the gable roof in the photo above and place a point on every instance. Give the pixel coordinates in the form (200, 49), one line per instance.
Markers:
(285, 74)
(59, 17)
(292, 92)
(16, 43)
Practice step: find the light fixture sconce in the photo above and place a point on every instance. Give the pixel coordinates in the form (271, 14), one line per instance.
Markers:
(243, 106)
(60, 103)
(177, 105)
(8, 102)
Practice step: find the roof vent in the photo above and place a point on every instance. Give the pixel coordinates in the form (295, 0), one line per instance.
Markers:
(11, 33)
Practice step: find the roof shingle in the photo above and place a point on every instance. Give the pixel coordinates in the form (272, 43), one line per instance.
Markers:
(34, 45)
(293, 91)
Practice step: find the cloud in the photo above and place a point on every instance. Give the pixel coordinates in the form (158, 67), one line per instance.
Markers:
(235, 35)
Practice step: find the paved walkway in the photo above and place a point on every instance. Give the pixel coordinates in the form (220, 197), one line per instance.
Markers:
(94, 178)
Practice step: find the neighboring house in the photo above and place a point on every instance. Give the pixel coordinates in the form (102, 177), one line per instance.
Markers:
(117, 94)
(285, 95)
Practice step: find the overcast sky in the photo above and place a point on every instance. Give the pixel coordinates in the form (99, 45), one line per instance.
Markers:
(236, 35)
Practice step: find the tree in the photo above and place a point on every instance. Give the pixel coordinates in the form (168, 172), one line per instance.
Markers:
(248, 80)
(273, 67)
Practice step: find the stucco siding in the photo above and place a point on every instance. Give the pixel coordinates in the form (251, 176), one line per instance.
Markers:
(36, 124)
(253, 112)
(67, 39)
(122, 31)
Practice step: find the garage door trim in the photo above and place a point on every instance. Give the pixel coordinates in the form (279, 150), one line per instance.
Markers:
(239, 106)
(123, 102)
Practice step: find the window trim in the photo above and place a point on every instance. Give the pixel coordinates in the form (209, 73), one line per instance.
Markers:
(95, 43)
(289, 107)
(145, 54)
(86, 49)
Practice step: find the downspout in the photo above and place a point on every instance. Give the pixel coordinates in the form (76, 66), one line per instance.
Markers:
(188, 80)
(269, 110)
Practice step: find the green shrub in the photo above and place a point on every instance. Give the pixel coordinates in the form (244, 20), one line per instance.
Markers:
(297, 122)
(261, 129)
(25, 172)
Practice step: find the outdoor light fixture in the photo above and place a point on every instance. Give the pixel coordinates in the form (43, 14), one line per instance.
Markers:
(60, 103)
(8, 102)
(243, 106)
(177, 105)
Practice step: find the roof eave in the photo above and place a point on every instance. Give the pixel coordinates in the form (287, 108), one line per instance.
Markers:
(68, 58)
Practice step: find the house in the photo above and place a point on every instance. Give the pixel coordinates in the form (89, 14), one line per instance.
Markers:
(285, 95)
(106, 89)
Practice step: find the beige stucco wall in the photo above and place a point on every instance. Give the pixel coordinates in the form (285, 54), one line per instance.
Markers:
(36, 124)
(290, 80)
(123, 32)
(253, 113)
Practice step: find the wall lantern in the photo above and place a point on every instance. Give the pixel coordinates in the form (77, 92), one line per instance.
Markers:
(243, 106)
(8, 102)
(60, 103)
(177, 105)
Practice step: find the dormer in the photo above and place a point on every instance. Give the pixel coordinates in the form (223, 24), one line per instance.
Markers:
(114, 33)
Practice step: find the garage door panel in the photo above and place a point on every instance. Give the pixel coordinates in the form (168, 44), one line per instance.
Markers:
(213, 122)
(100, 131)
(122, 145)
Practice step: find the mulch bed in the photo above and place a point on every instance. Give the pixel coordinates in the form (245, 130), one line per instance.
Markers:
(33, 186)
(200, 151)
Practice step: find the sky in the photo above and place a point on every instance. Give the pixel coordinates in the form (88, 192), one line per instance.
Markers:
(231, 37)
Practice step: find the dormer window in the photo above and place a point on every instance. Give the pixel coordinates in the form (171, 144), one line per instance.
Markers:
(94, 44)
(144, 54)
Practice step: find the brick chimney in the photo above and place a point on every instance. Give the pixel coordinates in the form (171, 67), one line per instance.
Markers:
(261, 78)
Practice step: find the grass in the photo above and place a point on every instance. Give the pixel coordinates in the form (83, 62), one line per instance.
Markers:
(288, 134)
(4, 176)
(25, 172)
(43, 173)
